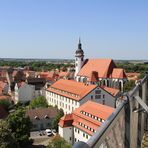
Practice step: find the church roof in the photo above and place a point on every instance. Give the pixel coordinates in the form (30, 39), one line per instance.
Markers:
(104, 67)
(118, 73)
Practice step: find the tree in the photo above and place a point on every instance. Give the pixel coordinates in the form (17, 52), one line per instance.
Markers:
(57, 119)
(6, 138)
(129, 85)
(39, 102)
(20, 127)
(5, 103)
(58, 142)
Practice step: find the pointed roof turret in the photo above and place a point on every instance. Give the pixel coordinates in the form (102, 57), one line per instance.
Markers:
(79, 51)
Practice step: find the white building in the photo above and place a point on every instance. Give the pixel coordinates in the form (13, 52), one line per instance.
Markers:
(69, 95)
(83, 122)
(98, 71)
(23, 92)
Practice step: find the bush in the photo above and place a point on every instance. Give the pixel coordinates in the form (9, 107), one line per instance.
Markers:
(39, 102)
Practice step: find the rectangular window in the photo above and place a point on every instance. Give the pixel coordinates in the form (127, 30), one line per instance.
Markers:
(98, 91)
(83, 134)
(97, 96)
(91, 97)
(70, 138)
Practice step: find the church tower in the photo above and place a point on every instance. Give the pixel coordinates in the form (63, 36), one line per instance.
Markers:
(79, 58)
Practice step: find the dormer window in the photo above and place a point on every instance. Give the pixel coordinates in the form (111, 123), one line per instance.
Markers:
(36, 117)
(46, 117)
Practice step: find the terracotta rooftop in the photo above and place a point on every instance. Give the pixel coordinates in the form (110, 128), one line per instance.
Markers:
(72, 89)
(118, 73)
(66, 120)
(5, 97)
(133, 76)
(97, 111)
(63, 74)
(104, 67)
(112, 91)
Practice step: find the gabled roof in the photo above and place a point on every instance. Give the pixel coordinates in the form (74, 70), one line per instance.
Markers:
(63, 74)
(71, 89)
(112, 91)
(66, 120)
(77, 118)
(104, 67)
(96, 109)
(118, 73)
(41, 113)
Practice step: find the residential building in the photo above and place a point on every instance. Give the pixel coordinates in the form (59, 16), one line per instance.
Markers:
(38, 84)
(41, 118)
(23, 92)
(84, 121)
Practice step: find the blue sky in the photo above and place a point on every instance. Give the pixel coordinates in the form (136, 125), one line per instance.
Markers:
(115, 29)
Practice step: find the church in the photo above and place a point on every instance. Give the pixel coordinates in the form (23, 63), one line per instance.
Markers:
(103, 72)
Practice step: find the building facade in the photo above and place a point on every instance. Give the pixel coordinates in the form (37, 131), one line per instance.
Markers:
(23, 92)
(41, 118)
(69, 95)
(83, 122)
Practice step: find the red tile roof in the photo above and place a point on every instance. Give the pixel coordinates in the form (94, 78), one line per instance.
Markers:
(96, 109)
(63, 74)
(104, 67)
(72, 89)
(112, 91)
(5, 97)
(66, 120)
(93, 108)
(118, 73)
(133, 76)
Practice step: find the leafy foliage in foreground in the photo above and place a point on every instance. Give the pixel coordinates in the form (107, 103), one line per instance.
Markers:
(58, 142)
(57, 119)
(6, 137)
(20, 126)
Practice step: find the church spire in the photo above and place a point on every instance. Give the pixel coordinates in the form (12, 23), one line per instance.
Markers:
(79, 52)
(79, 45)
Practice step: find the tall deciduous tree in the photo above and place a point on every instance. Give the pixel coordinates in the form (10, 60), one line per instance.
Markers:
(57, 119)
(6, 138)
(20, 126)
(58, 142)
(39, 102)
(129, 85)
